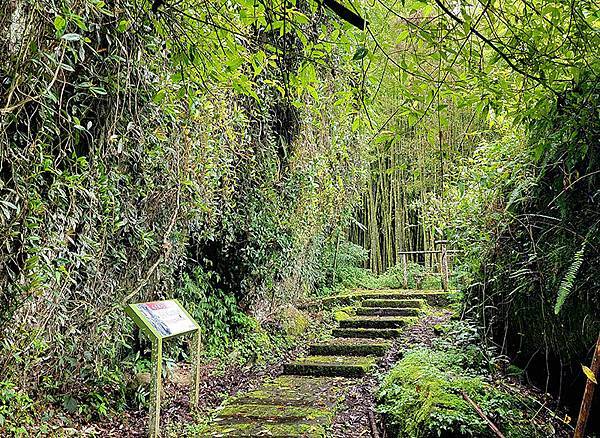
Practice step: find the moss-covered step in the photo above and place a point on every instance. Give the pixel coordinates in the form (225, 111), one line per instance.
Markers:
(388, 311)
(370, 333)
(433, 297)
(412, 303)
(350, 347)
(340, 366)
(254, 429)
(378, 322)
(322, 392)
(288, 406)
(255, 420)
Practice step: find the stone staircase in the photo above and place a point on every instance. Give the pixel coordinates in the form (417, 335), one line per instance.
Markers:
(302, 402)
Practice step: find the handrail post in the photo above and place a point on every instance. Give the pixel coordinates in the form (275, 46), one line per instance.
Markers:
(444, 264)
(404, 271)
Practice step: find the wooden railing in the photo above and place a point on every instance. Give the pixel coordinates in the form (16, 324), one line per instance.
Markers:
(443, 262)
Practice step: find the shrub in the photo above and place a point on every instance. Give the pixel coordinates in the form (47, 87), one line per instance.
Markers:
(16, 410)
(422, 396)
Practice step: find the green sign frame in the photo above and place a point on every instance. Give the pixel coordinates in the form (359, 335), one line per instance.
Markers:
(149, 328)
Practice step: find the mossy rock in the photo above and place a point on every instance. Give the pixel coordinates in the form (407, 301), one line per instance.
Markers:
(342, 366)
(293, 321)
(341, 315)
(370, 333)
(380, 322)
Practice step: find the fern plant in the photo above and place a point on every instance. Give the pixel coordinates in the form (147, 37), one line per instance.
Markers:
(566, 285)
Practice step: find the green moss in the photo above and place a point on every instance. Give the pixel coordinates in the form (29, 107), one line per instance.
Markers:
(255, 429)
(370, 333)
(297, 391)
(357, 347)
(340, 315)
(293, 321)
(380, 302)
(287, 406)
(272, 413)
(422, 395)
(343, 366)
(377, 322)
(389, 311)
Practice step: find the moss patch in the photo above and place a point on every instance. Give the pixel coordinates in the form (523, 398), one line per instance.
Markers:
(256, 429)
(297, 391)
(377, 322)
(433, 297)
(288, 406)
(412, 303)
(343, 366)
(388, 311)
(293, 321)
(351, 347)
(367, 333)
(236, 413)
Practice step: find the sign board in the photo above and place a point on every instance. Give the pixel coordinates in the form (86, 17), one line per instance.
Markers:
(161, 320)
(167, 318)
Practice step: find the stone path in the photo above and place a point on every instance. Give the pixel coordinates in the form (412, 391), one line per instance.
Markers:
(303, 401)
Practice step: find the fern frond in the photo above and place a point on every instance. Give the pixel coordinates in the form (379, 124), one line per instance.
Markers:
(568, 280)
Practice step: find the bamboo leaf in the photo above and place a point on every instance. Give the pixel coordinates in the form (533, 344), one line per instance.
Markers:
(589, 374)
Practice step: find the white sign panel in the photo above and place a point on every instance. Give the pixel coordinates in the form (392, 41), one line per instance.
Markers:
(167, 317)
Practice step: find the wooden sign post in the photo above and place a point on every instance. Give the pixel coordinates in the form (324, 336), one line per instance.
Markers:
(160, 320)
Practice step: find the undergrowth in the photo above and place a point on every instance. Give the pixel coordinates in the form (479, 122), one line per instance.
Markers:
(425, 394)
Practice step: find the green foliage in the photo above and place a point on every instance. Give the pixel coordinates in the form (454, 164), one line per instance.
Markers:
(422, 396)
(227, 332)
(418, 278)
(139, 145)
(524, 209)
(16, 410)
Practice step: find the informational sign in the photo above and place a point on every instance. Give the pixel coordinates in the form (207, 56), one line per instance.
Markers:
(167, 317)
(161, 320)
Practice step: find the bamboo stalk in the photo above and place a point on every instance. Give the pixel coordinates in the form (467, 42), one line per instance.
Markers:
(588, 394)
(485, 418)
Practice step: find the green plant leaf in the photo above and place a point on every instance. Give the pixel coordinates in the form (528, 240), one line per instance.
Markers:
(360, 53)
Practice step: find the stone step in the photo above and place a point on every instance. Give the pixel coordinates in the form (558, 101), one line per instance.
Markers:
(404, 303)
(388, 311)
(339, 366)
(433, 297)
(250, 420)
(321, 392)
(392, 294)
(287, 406)
(378, 322)
(371, 333)
(253, 429)
(350, 347)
